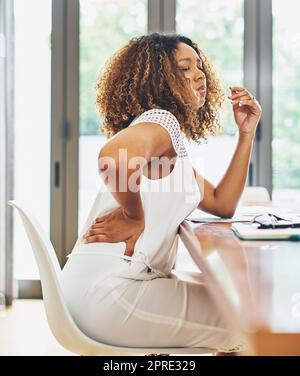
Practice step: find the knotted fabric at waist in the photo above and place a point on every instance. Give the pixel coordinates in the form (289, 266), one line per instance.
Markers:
(133, 267)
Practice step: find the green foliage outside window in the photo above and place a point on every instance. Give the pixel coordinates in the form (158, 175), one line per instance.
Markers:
(217, 27)
(286, 99)
(105, 26)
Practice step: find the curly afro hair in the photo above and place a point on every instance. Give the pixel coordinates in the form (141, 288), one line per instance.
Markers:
(144, 75)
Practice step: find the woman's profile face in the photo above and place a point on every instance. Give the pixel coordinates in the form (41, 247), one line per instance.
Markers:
(190, 64)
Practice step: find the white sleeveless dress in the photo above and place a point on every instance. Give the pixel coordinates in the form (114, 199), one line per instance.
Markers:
(136, 301)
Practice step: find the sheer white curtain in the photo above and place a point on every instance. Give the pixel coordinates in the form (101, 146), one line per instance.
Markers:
(6, 147)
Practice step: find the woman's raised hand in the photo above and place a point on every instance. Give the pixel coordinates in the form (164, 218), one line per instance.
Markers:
(116, 227)
(246, 109)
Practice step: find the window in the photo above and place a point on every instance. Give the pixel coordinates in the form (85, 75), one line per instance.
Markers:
(32, 124)
(286, 99)
(105, 26)
(217, 27)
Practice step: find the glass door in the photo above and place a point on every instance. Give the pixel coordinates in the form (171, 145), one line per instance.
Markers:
(32, 125)
(286, 99)
(105, 26)
(217, 26)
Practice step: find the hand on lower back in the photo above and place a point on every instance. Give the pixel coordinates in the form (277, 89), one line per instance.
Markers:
(115, 227)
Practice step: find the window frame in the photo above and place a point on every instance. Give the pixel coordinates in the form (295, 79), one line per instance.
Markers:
(258, 79)
(6, 149)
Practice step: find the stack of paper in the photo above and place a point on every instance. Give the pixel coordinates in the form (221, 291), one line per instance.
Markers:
(242, 214)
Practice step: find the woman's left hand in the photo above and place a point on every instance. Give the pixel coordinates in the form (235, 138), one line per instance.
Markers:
(246, 109)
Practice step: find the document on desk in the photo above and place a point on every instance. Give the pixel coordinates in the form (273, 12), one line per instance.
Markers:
(242, 214)
(251, 231)
(214, 219)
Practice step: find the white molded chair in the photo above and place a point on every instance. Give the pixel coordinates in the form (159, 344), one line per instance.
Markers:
(255, 196)
(60, 321)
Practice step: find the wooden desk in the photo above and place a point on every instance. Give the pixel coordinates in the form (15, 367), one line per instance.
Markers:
(262, 279)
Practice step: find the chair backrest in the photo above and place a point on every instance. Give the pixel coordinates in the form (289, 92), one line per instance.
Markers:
(255, 196)
(42, 247)
(60, 321)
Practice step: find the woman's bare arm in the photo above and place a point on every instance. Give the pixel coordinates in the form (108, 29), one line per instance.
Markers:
(138, 144)
(223, 199)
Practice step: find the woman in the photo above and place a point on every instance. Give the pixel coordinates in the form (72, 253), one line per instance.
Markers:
(118, 282)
